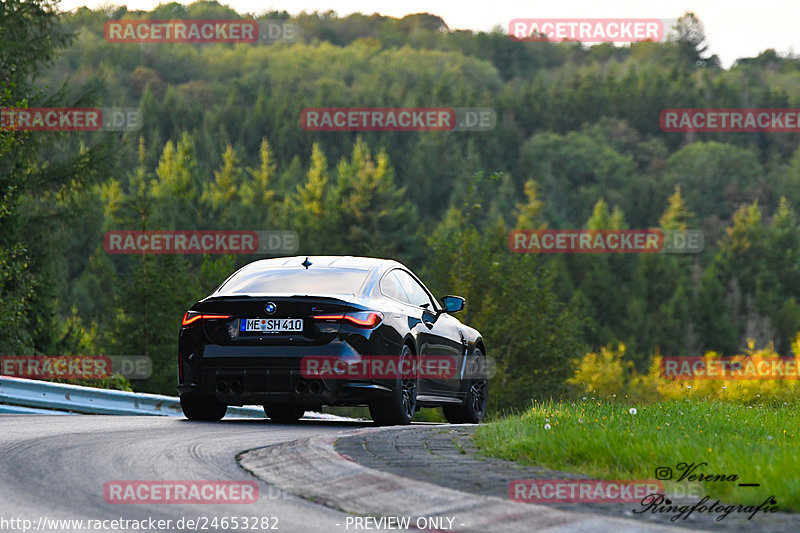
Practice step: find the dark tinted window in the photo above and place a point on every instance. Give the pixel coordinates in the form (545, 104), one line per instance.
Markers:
(391, 287)
(416, 294)
(295, 281)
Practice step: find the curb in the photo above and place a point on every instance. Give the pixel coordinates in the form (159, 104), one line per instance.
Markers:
(312, 469)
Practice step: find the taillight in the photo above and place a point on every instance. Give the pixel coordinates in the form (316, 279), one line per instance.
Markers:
(193, 316)
(365, 319)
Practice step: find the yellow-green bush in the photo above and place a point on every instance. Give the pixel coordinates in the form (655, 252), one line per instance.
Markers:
(607, 375)
(604, 373)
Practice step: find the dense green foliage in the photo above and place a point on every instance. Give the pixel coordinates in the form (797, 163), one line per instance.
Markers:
(40, 179)
(577, 144)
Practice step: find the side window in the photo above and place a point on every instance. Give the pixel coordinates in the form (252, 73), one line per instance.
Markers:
(416, 294)
(391, 287)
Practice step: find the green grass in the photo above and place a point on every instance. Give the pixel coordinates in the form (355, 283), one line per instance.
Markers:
(606, 441)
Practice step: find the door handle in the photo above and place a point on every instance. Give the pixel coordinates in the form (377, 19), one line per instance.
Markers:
(428, 323)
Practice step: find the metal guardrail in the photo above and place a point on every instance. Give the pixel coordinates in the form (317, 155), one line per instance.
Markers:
(32, 396)
(19, 410)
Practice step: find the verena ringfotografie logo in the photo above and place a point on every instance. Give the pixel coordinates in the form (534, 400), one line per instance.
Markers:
(582, 490)
(180, 492)
(634, 241)
(730, 120)
(70, 119)
(201, 242)
(196, 31)
(379, 367)
(76, 366)
(398, 119)
(694, 473)
(588, 30)
(729, 367)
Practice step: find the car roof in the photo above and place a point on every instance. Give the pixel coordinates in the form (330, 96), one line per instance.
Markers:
(325, 261)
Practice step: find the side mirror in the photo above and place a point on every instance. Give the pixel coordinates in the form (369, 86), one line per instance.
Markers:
(453, 304)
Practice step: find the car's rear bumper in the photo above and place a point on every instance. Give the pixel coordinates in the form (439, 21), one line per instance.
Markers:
(252, 386)
(256, 375)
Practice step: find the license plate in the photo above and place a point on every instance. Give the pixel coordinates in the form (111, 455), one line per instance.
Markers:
(271, 325)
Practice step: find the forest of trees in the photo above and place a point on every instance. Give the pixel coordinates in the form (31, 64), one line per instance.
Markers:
(577, 144)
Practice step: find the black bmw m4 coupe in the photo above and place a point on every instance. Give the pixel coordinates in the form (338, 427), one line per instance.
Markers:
(294, 334)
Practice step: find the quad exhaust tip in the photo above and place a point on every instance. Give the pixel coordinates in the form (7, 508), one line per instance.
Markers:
(308, 387)
(229, 387)
(302, 386)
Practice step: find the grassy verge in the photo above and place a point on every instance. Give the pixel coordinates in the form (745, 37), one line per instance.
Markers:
(759, 444)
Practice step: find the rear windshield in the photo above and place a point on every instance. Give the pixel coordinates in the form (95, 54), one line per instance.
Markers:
(295, 281)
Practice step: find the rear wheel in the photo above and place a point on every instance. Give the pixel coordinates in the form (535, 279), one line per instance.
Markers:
(474, 407)
(400, 407)
(284, 412)
(202, 407)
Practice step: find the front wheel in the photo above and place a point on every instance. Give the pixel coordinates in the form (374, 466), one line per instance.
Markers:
(202, 407)
(398, 410)
(473, 409)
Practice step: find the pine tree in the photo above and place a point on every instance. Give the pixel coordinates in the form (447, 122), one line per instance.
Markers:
(175, 190)
(376, 219)
(530, 214)
(311, 209)
(258, 197)
(221, 197)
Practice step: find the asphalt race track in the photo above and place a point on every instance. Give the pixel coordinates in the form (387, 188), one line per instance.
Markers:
(55, 467)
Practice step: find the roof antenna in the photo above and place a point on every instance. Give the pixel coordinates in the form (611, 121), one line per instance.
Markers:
(306, 263)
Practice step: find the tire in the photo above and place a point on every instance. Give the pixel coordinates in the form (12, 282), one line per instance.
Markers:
(284, 413)
(202, 407)
(474, 408)
(399, 409)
